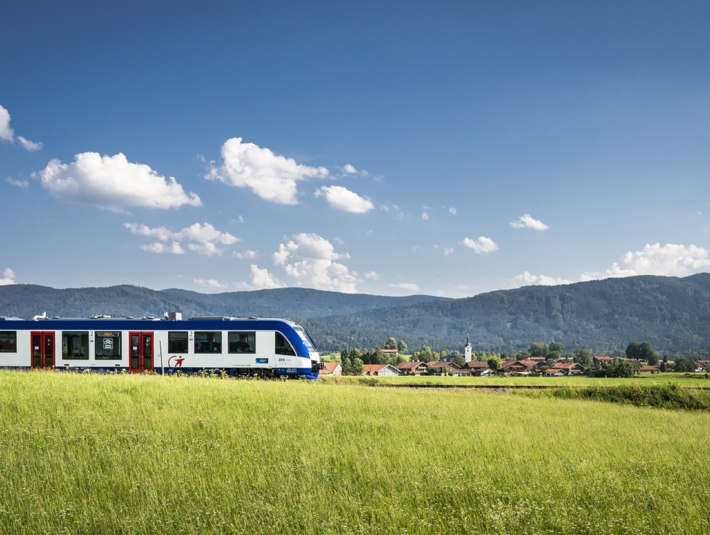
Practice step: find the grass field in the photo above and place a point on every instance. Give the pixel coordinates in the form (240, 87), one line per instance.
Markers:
(148, 454)
(686, 380)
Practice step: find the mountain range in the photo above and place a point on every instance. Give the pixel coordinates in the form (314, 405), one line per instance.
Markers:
(671, 313)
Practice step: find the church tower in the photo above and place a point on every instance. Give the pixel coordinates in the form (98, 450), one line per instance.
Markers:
(467, 349)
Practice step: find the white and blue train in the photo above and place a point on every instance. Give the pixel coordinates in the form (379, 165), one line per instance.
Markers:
(239, 346)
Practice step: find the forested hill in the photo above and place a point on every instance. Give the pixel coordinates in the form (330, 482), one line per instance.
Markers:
(672, 313)
(24, 301)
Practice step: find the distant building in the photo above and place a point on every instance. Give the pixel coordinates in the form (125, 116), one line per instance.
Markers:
(413, 367)
(332, 368)
(467, 350)
(379, 370)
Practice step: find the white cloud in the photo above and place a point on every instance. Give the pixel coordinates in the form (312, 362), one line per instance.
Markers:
(528, 279)
(272, 177)
(345, 200)
(8, 276)
(248, 254)
(21, 184)
(372, 276)
(29, 146)
(8, 134)
(529, 222)
(453, 211)
(481, 245)
(113, 183)
(310, 260)
(6, 131)
(163, 248)
(262, 279)
(201, 238)
(407, 286)
(350, 169)
(670, 260)
(425, 216)
(211, 284)
(675, 260)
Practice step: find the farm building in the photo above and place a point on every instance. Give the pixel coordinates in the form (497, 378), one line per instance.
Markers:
(379, 370)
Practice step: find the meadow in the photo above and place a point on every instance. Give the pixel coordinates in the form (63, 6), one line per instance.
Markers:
(149, 454)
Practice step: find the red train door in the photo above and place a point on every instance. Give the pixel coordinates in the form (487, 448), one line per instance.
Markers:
(42, 349)
(141, 359)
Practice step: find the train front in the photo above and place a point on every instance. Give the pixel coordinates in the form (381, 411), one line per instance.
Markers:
(314, 372)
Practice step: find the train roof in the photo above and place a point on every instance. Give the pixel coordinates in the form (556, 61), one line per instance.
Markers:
(104, 322)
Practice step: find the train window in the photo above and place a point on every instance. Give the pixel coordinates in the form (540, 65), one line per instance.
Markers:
(208, 342)
(242, 342)
(75, 345)
(177, 341)
(8, 341)
(108, 345)
(283, 347)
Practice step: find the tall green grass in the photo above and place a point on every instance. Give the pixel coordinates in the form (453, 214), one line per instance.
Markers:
(147, 454)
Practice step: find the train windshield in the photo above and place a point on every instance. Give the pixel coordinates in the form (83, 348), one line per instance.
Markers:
(305, 337)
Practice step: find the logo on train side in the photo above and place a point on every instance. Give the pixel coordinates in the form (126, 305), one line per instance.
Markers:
(175, 362)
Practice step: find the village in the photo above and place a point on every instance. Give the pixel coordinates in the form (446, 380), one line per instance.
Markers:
(392, 363)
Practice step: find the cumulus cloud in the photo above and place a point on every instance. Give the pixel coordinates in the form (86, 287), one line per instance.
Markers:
(6, 131)
(349, 169)
(480, 245)
(262, 279)
(248, 254)
(163, 248)
(529, 222)
(29, 146)
(425, 216)
(453, 211)
(671, 259)
(270, 176)
(113, 183)
(310, 260)
(211, 284)
(8, 134)
(371, 276)
(343, 199)
(8, 277)
(407, 286)
(201, 238)
(528, 279)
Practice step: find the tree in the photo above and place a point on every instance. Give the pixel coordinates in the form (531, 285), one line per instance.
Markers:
(460, 360)
(584, 357)
(555, 347)
(641, 351)
(402, 347)
(356, 368)
(391, 343)
(538, 349)
(425, 354)
(683, 364)
(494, 363)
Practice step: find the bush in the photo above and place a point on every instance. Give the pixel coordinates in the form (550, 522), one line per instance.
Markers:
(670, 396)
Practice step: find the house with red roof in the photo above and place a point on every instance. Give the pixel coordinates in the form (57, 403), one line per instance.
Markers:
(379, 370)
(413, 367)
(331, 368)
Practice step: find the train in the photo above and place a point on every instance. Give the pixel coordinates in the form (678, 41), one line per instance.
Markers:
(265, 347)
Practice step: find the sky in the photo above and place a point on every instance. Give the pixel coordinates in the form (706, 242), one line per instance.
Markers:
(390, 148)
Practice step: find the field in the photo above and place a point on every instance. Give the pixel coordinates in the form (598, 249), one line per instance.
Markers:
(698, 380)
(150, 454)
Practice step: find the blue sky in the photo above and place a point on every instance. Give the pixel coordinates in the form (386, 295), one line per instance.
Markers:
(445, 148)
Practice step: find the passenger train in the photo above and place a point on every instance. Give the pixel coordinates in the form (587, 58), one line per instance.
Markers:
(240, 346)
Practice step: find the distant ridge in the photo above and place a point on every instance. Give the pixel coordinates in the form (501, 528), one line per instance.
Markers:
(672, 313)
